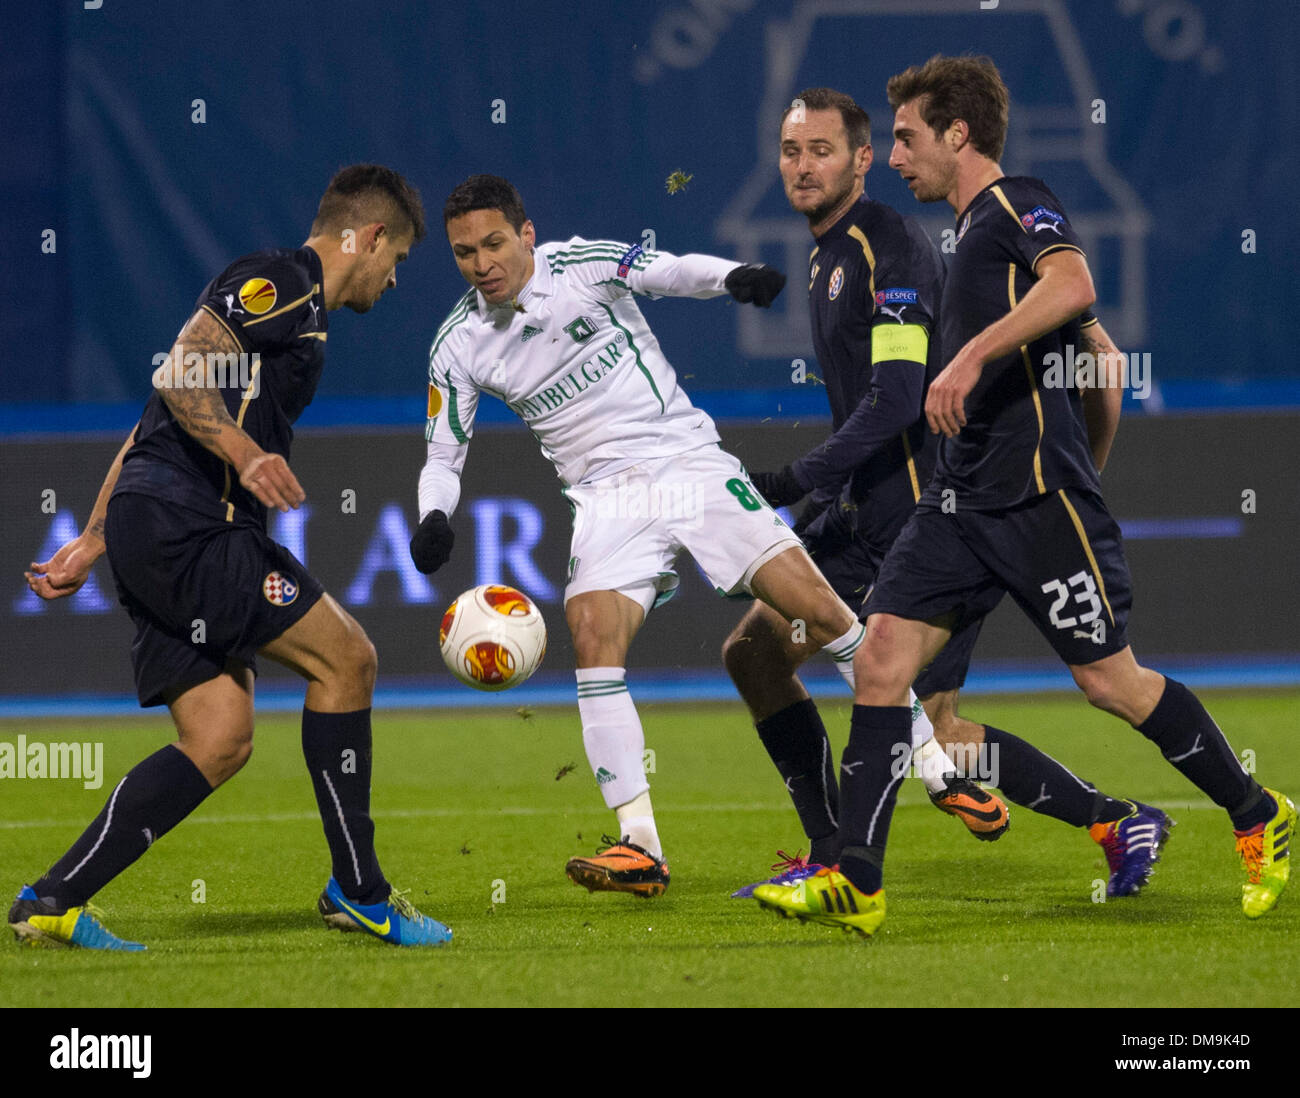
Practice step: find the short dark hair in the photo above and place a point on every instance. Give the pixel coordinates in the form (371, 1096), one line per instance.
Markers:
(364, 193)
(857, 123)
(486, 192)
(969, 88)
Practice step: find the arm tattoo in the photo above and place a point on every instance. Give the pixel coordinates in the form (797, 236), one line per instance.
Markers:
(1090, 342)
(200, 411)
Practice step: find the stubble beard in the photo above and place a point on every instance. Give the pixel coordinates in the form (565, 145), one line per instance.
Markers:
(825, 209)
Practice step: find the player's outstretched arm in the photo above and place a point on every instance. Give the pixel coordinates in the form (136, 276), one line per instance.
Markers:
(1063, 290)
(201, 413)
(705, 276)
(1101, 403)
(65, 572)
(439, 493)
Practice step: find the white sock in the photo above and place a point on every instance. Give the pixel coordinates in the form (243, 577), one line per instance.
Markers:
(932, 765)
(922, 729)
(636, 823)
(611, 733)
(841, 650)
(930, 762)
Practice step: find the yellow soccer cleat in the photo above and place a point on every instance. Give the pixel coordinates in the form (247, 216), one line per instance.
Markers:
(828, 897)
(1266, 853)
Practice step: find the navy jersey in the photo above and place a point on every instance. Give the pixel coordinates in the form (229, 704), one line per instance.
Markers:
(1022, 439)
(273, 305)
(875, 279)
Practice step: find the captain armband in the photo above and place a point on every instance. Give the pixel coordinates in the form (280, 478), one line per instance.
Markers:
(899, 342)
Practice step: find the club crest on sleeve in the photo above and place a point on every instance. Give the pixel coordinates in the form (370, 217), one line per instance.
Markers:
(257, 295)
(279, 589)
(836, 283)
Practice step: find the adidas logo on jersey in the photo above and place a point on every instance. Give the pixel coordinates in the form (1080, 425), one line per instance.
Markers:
(529, 332)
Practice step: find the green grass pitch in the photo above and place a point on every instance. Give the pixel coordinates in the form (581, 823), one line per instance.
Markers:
(472, 819)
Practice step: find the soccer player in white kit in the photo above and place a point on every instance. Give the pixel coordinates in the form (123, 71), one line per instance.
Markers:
(554, 332)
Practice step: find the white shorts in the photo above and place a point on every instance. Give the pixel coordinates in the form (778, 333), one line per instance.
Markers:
(629, 528)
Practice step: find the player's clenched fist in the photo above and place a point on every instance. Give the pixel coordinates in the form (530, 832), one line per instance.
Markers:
(755, 282)
(270, 479)
(431, 546)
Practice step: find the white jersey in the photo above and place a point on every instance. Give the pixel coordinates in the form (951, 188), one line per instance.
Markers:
(574, 358)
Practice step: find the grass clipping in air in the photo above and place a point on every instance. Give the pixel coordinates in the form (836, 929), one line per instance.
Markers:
(677, 181)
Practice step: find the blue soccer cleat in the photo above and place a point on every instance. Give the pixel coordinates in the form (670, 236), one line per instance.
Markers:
(394, 919)
(36, 923)
(791, 870)
(1132, 847)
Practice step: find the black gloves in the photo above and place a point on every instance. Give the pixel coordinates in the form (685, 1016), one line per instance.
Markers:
(431, 546)
(755, 282)
(779, 489)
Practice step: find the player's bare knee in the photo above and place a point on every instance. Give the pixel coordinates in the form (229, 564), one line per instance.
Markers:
(876, 671)
(1100, 689)
(366, 665)
(874, 676)
(753, 650)
(356, 662)
(238, 755)
(222, 757)
(740, 653)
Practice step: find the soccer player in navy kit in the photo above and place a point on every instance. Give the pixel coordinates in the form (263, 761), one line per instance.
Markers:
(1014, 506)
(182, 516)
(875, 282)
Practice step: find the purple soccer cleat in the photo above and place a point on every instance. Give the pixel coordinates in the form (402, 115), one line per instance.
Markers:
(791, 870)
(1132, 847)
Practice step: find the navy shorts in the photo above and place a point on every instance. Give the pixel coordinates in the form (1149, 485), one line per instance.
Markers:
(850, 566)
(1060, 556)
(200, 591)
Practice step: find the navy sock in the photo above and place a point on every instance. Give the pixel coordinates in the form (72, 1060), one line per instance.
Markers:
(1036, 781)
(796, 740)
(156, 794)
(874, 764)
(337, 749)
(1258, 809)
(1190, 740)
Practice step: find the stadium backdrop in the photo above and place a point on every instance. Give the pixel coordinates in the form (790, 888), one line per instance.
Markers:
(150, 144)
